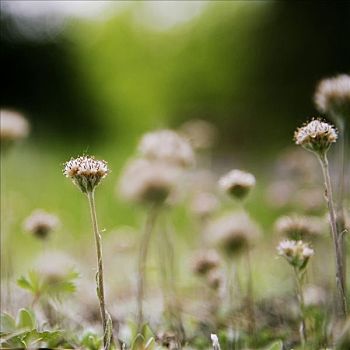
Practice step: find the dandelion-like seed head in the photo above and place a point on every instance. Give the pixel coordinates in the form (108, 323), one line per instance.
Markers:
(333, 95)
(297, 253)
(298, 227)
(86, 172)
(145, 181)
(233, 233)
(316, 136)
(167, 146)
(13, 127)
(237, 183)
(204, 261)
(41, 224)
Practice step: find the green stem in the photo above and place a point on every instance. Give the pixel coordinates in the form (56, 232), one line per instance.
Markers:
(340, 278)
(151, 219)
(299, 288)
(99, 275)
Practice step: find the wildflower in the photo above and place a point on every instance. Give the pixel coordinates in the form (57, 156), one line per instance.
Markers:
(333, 95)
(297, 253)
(86, 172)
(237, 183)
(316, 136)
(233, 233)
(204, 261)
(41, 223)
(200, 133)
(298, 227)
(145, 181)
(204, 204)
(13, 127)
(168, 146)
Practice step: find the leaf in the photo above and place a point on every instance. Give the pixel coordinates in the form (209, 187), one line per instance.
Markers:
(25, 319)
(138, 342)
(278, 345)
(7, 323)
(24, 283)
(150, 344)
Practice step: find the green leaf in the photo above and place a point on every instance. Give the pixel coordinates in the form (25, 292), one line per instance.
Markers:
(138, 342)
(7, 323)
(278, 345)
(25, 319)
(150, 344)
(24, 283)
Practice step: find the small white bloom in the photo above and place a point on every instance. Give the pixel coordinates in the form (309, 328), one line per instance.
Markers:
(316, 136)
(86, 172)
(333, 95)
(13, 126)
(167, 146)
(237, 183)
(40, 223)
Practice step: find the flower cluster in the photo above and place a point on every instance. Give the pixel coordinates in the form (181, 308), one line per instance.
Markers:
(297, 253)
(333, 95)
(145, 181)
(316, 136)
(237, 183)
(233, 233)
(86, 172)
(298, 227)
(13, 126)
(40, 223)
(167, 146)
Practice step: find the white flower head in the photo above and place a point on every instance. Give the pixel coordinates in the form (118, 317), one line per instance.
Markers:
(297, 253)
(167, 146)
(316, 136)
(86, 172)
(237, 183)
(146, 181)
(40, 223)
(233, 233)
(13, 127)
(204, 204)
(298, 227)
(333, 96)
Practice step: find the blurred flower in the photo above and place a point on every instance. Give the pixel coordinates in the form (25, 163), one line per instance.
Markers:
(86, 172)
(299, 227)
(237, 183)
(40, 223)
(297, 253)
(214, 279)
(167, 146)
(13, 127)
(233, 233)
(145, 181)
(204, 204)
(333, 95)
(316, 136)
(204, 261)
(200, 133)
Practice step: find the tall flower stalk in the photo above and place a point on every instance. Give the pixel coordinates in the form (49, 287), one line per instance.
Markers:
(86, 173)
(298, 253)
(317, 137)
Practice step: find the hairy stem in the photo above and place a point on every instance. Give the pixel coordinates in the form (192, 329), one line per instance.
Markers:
(99, 275)
(340, 278)
(143, 253)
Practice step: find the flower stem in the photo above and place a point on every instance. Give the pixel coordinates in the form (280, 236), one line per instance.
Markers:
(150, 221)
(299, 288)
(340, 278)
(99, 275)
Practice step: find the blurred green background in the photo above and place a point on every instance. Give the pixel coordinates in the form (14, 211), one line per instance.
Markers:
(95, 83)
